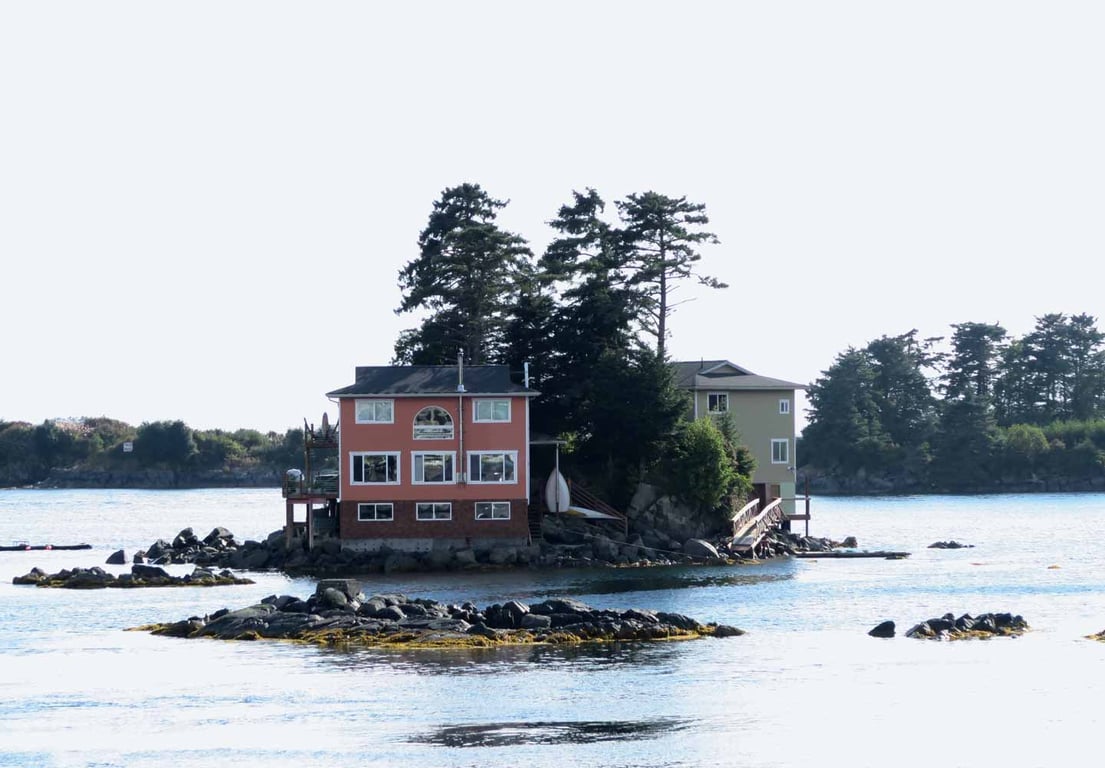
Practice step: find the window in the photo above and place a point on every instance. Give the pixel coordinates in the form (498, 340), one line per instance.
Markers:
(780, 451)
(784, 406)
(432, 467)
(717, 402)
(492, 410)
(433, 423)
(375, 512)
(492, 510)
(433, 510)
(375, 411)
(375, 468)
(492, 466)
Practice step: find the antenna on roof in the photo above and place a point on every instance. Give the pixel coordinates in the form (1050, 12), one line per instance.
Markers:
(460, 370)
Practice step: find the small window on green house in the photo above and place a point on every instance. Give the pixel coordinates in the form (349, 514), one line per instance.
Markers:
(717, 402)
(780, 451)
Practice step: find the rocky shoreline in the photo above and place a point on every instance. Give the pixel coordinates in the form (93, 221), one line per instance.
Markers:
(140, 576)
(338, 614)
(566, 544)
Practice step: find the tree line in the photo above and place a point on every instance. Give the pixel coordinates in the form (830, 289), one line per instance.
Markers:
(30, 453)
(991, 410)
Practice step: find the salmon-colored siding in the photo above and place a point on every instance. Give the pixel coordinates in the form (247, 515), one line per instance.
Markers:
(468, 436)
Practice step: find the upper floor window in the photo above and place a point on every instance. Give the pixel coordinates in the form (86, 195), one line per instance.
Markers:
(433, 423)
(780, 451)
(717, 402)
(375, 411)
(432, 467)
(784, 406)
(492, 467)
(377, 468)
(492, 410)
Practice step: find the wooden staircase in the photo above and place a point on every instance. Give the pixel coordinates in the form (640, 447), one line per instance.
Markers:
(534, 513)
(750, 525)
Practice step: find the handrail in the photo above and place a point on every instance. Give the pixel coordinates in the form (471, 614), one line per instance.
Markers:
(591, 501)
(771, 515)
(743, 516)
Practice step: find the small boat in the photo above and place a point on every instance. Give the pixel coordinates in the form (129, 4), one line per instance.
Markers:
(557, 496)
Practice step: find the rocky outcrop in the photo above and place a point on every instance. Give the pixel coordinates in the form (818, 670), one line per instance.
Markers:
(566, 543)
(984, 626)
(953, 544)
(140, 576)
(338, 613)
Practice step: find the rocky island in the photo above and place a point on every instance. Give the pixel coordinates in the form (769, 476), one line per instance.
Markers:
(140, 576)
(338, 614)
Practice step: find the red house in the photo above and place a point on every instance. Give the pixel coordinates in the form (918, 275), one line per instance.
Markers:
(432, 457)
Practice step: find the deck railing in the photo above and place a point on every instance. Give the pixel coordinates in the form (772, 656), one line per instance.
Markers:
(744, 516)
(771, 515)
(589, 500)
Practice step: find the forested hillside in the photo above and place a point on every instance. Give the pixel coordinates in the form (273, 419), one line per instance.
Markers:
(987, 412)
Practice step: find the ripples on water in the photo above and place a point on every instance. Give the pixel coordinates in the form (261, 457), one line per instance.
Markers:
(805, 686)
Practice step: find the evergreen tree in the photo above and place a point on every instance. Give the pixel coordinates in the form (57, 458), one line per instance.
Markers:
(844, 432)
(468, 273)
(900, 389)
(967, 446)
(661, 235)
(976, 349)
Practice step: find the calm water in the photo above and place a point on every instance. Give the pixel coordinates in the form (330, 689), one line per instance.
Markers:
(806, 686)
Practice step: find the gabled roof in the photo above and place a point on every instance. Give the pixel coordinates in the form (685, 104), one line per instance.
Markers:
(408, 380)
(722, 374)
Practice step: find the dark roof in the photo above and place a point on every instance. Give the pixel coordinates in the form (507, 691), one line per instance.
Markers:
(722, 374)
(431, 380)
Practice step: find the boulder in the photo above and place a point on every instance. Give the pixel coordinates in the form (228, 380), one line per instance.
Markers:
(885, 629)
(186, 538)
(118, 557)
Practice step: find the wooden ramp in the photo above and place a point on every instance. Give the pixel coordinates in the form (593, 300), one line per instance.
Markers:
(750, 525)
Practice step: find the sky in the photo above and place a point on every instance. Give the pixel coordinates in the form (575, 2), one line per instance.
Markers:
(204, 206)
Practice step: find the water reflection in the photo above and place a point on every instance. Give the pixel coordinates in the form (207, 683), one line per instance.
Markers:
(661, 579)
(493, 661)
(546, 733)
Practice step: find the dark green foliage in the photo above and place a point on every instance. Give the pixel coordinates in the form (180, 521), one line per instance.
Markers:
(468, 274)
(164, 443)
(698, 468)
(660, 242)
(1021, 410)
(976, 349)
(967, 446)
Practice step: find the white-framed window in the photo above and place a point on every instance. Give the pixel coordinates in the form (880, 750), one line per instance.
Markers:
(375, 411)
(784, 406)
(429, 468)
(492, 510)
(433, 510)
(717, 402)
(374, 468)
(433, 423)
(491, 411)
(492, 466)
(780, 451)
(375, 512)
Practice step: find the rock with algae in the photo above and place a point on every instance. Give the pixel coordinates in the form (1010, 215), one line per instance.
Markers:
(338, 614)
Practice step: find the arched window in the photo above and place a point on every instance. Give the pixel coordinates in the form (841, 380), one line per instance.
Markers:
(433, 423)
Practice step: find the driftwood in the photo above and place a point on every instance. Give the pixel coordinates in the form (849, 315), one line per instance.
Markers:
(840, 554)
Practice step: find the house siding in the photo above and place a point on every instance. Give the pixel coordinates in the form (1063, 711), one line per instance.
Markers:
(397, 437)
(756, 416)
